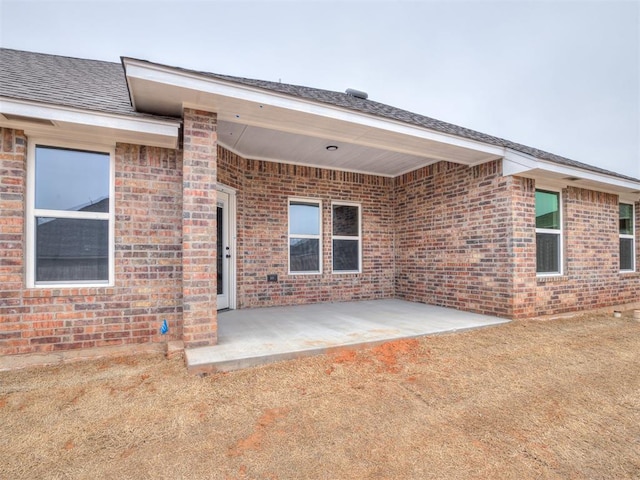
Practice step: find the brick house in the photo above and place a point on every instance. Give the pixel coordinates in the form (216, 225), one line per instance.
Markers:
(134, 193)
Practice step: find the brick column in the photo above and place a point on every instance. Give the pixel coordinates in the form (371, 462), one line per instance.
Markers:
(522, 247)
(14, 338)
(199, 293)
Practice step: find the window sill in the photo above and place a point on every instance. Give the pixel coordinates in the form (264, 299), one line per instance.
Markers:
(552, 278)
(58, 291)
(629, 274)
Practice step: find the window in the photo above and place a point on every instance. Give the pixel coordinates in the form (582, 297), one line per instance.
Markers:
(305, 230)
(70, 217)
(548, 233)
(346, 237)
(627, 238)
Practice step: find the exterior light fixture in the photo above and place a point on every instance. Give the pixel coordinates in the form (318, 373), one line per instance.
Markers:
(332, 148)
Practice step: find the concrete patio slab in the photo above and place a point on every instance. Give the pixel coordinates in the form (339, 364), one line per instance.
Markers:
(257, 336)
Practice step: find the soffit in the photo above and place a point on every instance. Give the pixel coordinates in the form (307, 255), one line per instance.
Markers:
(71, 124)
(561, 176)
(267, 126)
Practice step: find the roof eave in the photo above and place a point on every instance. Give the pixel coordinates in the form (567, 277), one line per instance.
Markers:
(100, 126)
(549, 173)
(173, 78)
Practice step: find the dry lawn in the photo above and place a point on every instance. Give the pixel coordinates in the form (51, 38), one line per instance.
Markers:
(530, 399)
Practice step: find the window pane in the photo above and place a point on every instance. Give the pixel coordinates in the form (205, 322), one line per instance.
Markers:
(304, 218)
(71, 250)
(345, 220)
(547, 253)
(626, 254)
(304, 254)
(71, 180)
(547, 209)
(626, 219)
(345, 255)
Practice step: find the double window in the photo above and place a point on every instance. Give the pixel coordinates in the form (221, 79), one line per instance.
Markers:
(305, 237)
(70, 217)
(627, 238)
(548, 233)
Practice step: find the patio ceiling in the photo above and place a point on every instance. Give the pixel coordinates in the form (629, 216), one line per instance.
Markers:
(281, 146)
(264, 125)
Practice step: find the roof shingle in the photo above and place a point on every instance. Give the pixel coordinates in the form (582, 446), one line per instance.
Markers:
(386, 111)
(70, 82)
(101, 86)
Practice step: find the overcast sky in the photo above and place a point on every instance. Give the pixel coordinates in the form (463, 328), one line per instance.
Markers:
(562, 76)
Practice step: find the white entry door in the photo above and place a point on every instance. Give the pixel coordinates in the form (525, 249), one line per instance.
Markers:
(224, 249)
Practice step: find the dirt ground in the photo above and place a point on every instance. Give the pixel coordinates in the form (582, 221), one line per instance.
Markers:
(529, 399)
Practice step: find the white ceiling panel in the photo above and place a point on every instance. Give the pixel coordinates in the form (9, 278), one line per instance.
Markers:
(266, 144)
(276, 127)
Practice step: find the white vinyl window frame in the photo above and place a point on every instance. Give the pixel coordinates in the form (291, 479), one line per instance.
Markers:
(631, 237)
(559, 232)
(347, 237)
(32, 213)
(290, 236)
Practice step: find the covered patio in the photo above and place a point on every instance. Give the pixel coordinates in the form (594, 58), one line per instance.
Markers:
(258, 336)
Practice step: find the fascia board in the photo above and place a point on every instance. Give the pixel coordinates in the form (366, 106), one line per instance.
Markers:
(55, 113)
(586, 175)
(192, 81)
(517, 163)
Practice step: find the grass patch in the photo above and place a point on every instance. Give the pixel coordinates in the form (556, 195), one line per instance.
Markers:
(528, 399)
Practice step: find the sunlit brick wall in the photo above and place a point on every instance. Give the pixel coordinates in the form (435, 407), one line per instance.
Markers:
(147, 260)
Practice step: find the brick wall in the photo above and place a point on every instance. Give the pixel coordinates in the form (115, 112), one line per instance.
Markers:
(148, 268)
(453, 237)
(12, 195)
(466, 239)
(592, 277)
(262, 244)
(456, 236)
(147, 260)
(199, 232)
(523, 247)
(445, 234)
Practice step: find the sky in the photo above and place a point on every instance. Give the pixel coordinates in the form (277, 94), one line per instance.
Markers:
(562, 76)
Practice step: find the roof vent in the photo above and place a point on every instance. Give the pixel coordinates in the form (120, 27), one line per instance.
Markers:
(356, 93)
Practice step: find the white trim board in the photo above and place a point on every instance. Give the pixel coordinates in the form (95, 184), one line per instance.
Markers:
(192, 82)
(146, 131)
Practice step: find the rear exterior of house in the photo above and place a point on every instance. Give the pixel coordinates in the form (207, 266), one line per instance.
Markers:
(140, 193)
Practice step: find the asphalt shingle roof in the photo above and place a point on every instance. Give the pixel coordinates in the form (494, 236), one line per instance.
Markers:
(101, 86)
(386, 111)
(71, 82)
